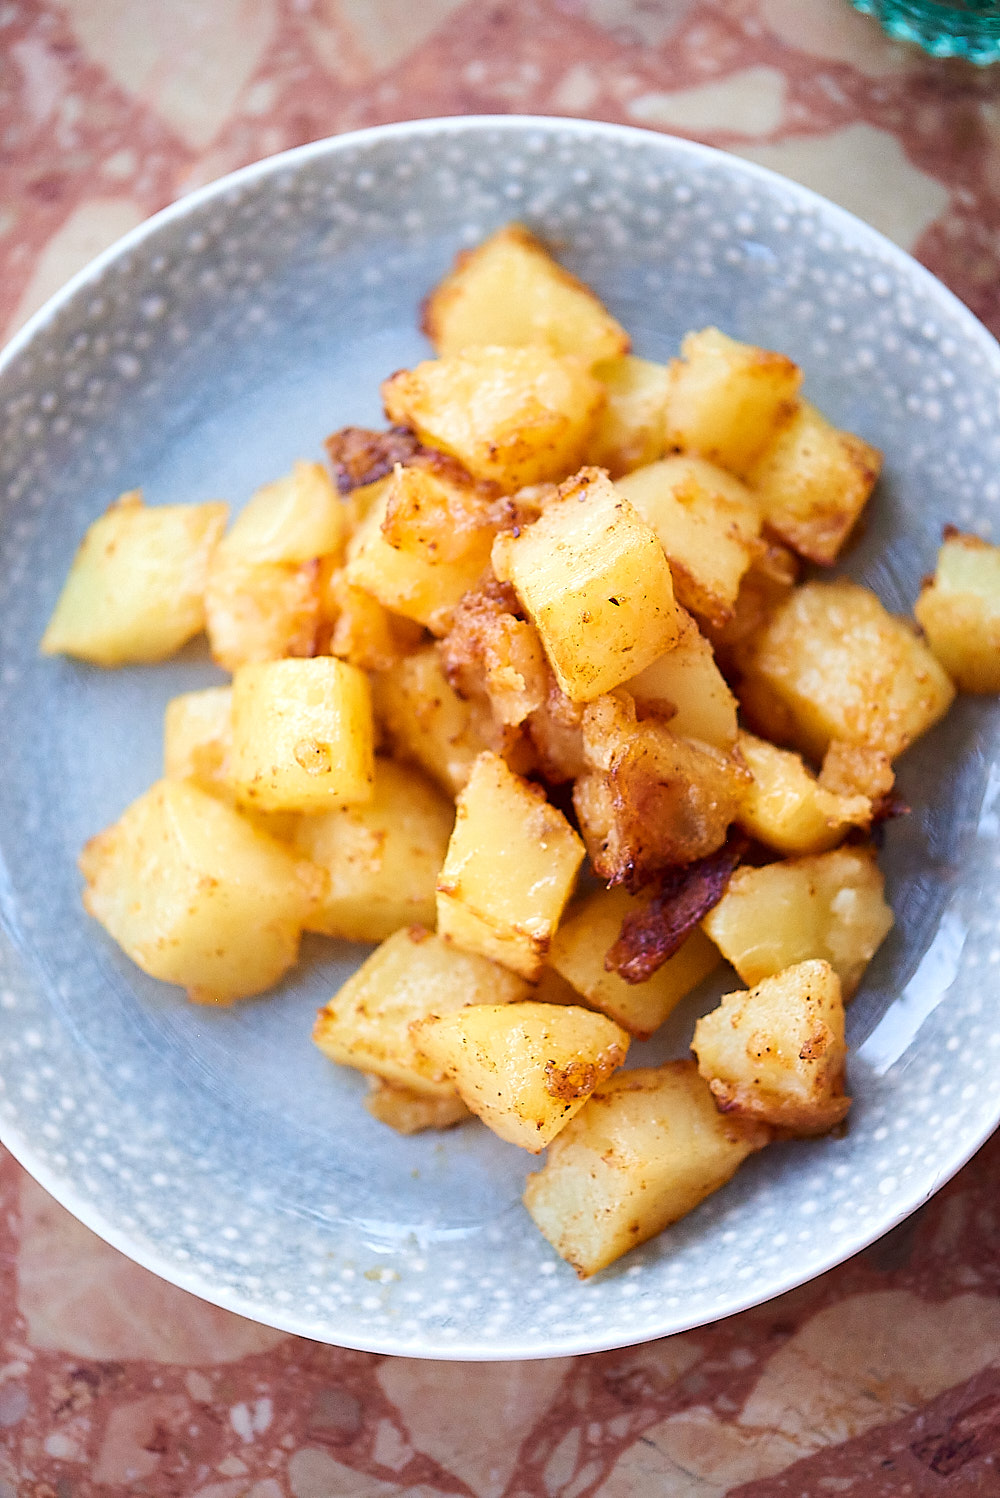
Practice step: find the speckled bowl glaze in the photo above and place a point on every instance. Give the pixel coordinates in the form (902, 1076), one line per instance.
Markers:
(200, 357)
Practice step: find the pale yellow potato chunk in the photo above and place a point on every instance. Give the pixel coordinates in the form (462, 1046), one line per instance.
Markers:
(303, 736)
(584, 939)
(727, 399)
(510, 868)
(829, 906)
(812, 481)
(135, 591)
(777, 1054)
(648, 1147)
(512, 415)
(632, 428)
(787, 808)
(412, 976)
(509, 290)
(197, 738)
(381, 858)
(526, 1068)
(427, 721)
(291, 520)
(196, 895)
(592, 577)
(959, 612)
(421, 582)
(686, 687)
(706, 522)
(410, 1112)
(832, 663)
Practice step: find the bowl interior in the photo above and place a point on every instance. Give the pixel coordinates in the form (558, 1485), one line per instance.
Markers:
(200, 359)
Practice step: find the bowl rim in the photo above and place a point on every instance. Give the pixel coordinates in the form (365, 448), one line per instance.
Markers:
(20, 1147)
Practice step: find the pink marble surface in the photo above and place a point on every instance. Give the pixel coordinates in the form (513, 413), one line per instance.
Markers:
(882, 1377)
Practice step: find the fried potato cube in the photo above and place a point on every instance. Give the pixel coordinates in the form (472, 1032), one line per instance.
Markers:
(593, 579)
(512, 415)
(708, 525)
(410, 1112)
(135, 591)
(959, 612)
(727, 399)
(510, 868)
(427, 721)
(812, 481)
(197, 738)
(686, 687)
(584, 939)
(648, 1147)
(525, 1069)
(855, 770)
(422, 545)
(765, 585)
(292, 520)
(786, 807)
(631, 430)
(489, 650)
(650, 799)
(828, 905)
(196, 895)
(360, 630)
(777, 1053)
(832, 663)
(368, 1024)
(510, 291)
(303, 737)
(381, 858)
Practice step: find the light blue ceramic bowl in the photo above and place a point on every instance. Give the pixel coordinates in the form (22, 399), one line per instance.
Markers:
(200, 357)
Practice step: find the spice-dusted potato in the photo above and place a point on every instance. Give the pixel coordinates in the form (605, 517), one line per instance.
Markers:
(510, 868)
(303, 737)
(685, 688)
(585, 937)
(490, 651)
(594, 582)
(135, 591)
(727, 399)
(381, 858)
(196, 895)
(411, 976)
(646, 1149)
(959, 612)
(832, 663)
(358, 629)
(426, 720)
(631, 429)
(777, 1053)
(786, 807)
(707, 523)
(812, 481)
(509, 290)
(829, 906)
(524, 1068)
(512, 415)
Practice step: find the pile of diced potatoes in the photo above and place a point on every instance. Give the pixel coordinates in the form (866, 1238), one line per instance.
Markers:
(556, 616)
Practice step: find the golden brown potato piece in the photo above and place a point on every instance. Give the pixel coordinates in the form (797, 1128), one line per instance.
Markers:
(358, 629)
(490, 650)
(135, 591)
(303, 738)
(728, 399)
(428, 722)
(524, 1068)
(555, 731)
(592, 578)
(959, 612)
(381, 858)
(510, 868)
(512, 415)
(411, 976)
(196, 895)
(828, 906)
(855, 770)
(631, 430)
(647, 1148)
(650, 799)
(777, 1053)
(410, 1112)
(708, 525)
(832, 663)
(812, 481)
(582, 943)
(786, 807)
(685, 687)
(510, 291)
